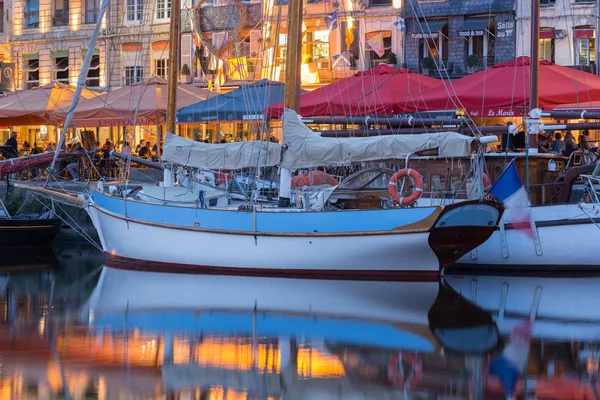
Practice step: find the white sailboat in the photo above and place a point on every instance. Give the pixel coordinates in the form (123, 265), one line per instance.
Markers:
(408, 242)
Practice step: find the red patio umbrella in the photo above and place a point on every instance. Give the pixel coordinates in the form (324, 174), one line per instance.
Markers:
(503, 90)
(383, 90)
(314, 178)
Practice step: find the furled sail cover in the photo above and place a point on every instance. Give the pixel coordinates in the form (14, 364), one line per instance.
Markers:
(220, 156)
(307, 149)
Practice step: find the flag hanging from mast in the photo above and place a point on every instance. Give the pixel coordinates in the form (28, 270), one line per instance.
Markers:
(331, 20)
(349, 35)
(400, 24)
(509, 189)
(341, 60)
(376, 43)
(511, 363)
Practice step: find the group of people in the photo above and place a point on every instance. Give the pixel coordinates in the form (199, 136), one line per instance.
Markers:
(556, 143)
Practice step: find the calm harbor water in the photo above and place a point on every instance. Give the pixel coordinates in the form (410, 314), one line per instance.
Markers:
(72, 328)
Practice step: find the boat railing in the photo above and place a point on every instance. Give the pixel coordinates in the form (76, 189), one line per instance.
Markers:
(592, 183)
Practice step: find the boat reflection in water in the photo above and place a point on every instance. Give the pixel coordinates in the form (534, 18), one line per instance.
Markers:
(152, 335)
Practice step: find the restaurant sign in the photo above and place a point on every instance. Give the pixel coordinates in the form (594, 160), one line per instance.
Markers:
(424, 35)
(7, 82)
(472, 32)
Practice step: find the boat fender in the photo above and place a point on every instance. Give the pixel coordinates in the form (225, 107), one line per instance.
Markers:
(395, 368)
(486, 181)
(417, 181)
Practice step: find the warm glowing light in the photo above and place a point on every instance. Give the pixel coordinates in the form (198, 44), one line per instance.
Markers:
(317, 364)
(350, 21)
(75, 18)
(42, 325)
(397, 4)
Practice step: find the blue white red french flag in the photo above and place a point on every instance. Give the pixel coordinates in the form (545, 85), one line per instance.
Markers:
(511, 363)
(509, 189)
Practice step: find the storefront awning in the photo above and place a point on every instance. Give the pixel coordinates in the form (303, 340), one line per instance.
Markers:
(547, 34)
(427, 29)
(474, 27)
(584, 33)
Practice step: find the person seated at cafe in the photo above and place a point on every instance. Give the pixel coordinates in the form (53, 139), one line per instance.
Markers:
(126, 149)
(543, 145)
(570, 144)
(12, 142)
(140, 146)
(146, 151)
(586, 143)
(558, 145)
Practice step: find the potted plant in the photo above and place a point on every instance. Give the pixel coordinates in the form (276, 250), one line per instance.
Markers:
(185, 74)
(352, 61)
(427, 64)
(472, 63)
(391, 59)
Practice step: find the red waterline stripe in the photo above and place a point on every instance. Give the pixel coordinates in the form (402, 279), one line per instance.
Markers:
(132, 264)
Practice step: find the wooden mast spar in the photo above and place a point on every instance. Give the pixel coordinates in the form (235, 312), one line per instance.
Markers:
(534, 76)
(291, 98)
(172, 83)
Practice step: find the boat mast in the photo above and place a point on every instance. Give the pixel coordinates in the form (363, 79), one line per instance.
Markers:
(85, 67)
(173, 67)
(172, 83)
(534, 76)
(291, 98)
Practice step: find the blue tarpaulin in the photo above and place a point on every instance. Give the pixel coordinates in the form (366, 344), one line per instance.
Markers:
(244, 104)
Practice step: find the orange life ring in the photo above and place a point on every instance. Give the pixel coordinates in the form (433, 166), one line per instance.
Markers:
(486, 182)
(417, 180)
(414, 376)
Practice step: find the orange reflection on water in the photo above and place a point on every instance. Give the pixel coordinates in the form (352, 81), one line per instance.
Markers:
(237, 354)
(313, 363)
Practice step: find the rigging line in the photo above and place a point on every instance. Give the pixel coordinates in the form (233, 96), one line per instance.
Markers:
(485, 56)
(454, 98)
(73, 224)
(576, 61)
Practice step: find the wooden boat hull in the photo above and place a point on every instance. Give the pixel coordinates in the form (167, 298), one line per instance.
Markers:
(405, 244)
(17, 232)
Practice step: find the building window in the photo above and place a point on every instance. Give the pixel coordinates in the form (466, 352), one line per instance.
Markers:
(373, 58)
(93, 76)
(381, 3)
(92, 9)
(547, 2)
(60, 70)
(162, 68)
(61, 13)
(483, 47)
(133, 75)
(585, 50)
(32, 14)
(1, 17)
(32, 73)
(163, 9)
(319, 47)
(547, 49)
(135, 9)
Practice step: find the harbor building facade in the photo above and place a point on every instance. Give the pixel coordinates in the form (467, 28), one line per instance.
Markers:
(568, 30)
(458, 35)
